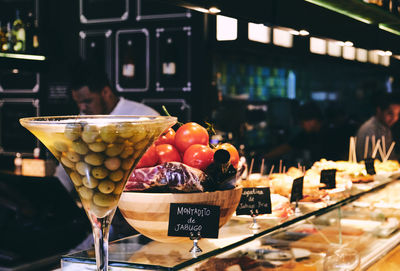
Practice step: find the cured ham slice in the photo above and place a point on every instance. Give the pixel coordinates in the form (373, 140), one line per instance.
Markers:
(167, 177)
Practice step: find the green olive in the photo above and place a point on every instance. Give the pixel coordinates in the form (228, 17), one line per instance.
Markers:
(103, 200)
(85, 192)
(90, 182)
(83, 168)
(139, 146)
(114, 149)
(108, 133)
(97, 146)
(66, 162)
(119, 188)
(112, 163)
(126, 130)
(99, 211)
(73, 156)
(90, 133)
(120, 140)
(127, 164)
(139, 134)
(80, 147)
(106, 187)
(73, 131)
(94, 159)
(127, 152)
(61, 146)
(116, 176)
(56, 153)
(76, 178)
(99, 172)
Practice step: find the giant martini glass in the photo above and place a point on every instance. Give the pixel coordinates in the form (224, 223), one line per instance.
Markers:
(98, 153)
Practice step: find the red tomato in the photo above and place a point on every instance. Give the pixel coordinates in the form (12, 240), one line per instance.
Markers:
(232, 151)
(149, 158)
(198, 156)
(167, 153)
(189, 134)
(168, 137)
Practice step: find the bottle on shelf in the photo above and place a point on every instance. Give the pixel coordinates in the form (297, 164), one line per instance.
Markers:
(18, 29)
(128, 61)
(3, 39)
(32, 34)
(170, 58)
(9, 46)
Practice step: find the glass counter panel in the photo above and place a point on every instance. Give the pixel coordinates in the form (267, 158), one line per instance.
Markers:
(143, 253)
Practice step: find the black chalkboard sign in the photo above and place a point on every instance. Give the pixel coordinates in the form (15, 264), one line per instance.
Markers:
(297, 190)
(255, 201)
(328, 177)
(369, 166)
(188, 220)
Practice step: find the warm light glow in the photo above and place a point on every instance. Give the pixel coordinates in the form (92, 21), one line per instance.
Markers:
(294, 32)
(361, 55)
(214, 10)
(384, 60)
(317, 46)
(380, 52)
(334, 49)
(304, 32)
(226, 28)
(373, 56)
(200, 9)
(340, 43)
(15, 71)
(259, 33)
(348, 43)
(388, 53)
(349, 53)
(282, 38)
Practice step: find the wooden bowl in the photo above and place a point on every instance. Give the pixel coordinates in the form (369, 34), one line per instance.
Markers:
(148, 213)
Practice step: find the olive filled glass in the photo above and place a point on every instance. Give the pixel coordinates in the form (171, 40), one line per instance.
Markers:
(98, 153)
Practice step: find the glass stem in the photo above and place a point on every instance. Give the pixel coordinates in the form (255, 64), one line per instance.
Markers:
(101, 229)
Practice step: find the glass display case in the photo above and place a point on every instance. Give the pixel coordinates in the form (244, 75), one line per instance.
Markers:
(362, 219)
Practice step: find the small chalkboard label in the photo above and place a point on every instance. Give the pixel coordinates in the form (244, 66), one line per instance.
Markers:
(188, 220)
(328, 177)
(255, 201)
(369, 166)
(297, 190)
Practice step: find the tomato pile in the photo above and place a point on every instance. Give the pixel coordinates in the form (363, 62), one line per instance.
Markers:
(188, 145)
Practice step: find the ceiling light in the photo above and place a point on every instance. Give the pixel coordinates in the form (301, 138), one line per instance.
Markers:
(294, 32)
(304, 32)
(214, 10)
(200, 9)
(348, 43)
(15, 71)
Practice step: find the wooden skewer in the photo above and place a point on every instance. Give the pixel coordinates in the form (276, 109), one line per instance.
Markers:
(271, 170)
(354, 150)
(383, 148)
(381, 153)
(373, 142)
(350, 146)
(366, 147)
(251, 167)
(378, 143)
(262, 167)
(280, 166)
(284, 169)
(389, 151)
